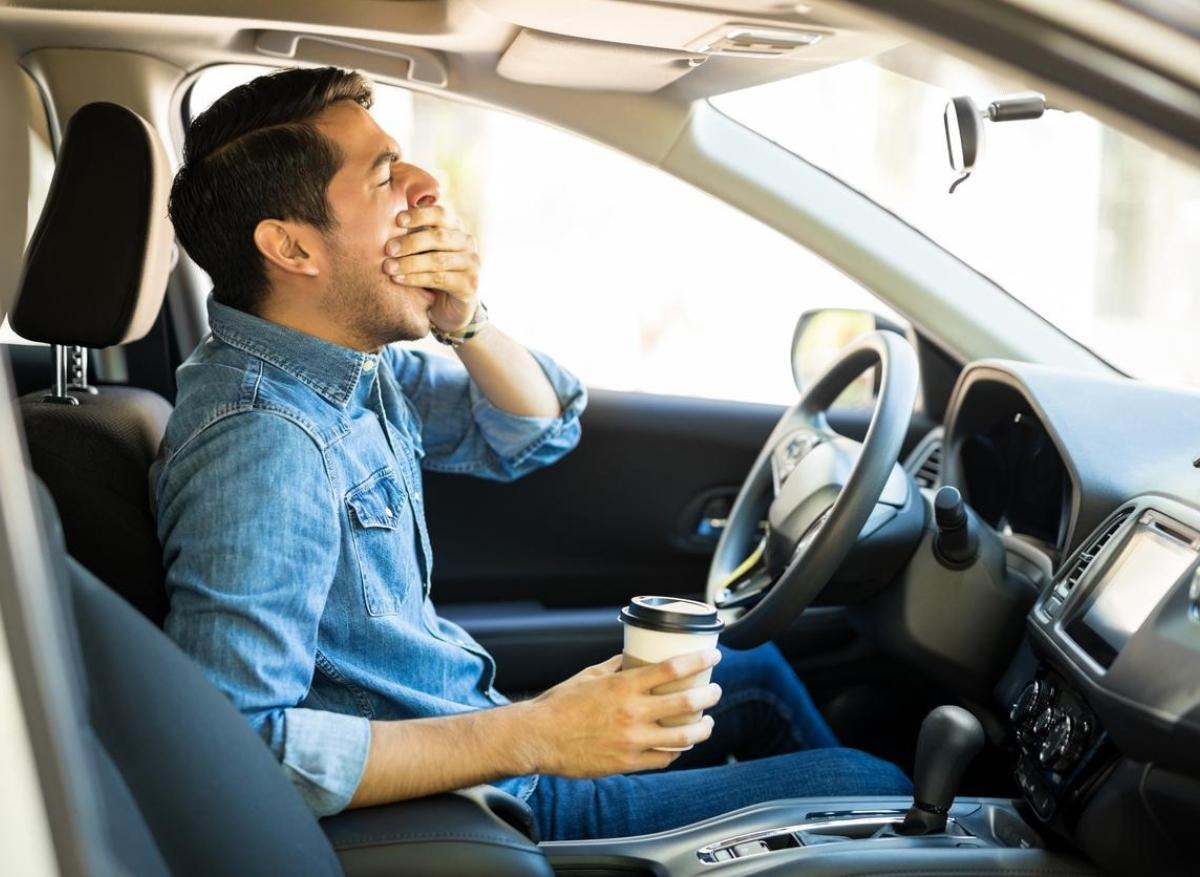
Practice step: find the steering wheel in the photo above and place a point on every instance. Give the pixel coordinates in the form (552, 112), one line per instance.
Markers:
(818, 489)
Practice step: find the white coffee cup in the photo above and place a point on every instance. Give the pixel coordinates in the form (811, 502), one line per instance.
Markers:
(658, 628)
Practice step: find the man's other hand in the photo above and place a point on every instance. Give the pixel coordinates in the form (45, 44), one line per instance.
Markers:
(601, 721)
(432, 251)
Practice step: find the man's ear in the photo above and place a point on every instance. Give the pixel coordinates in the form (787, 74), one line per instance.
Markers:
(287, 245)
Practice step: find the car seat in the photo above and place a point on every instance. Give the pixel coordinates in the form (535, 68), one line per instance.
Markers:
(187, 788)
(94, 276)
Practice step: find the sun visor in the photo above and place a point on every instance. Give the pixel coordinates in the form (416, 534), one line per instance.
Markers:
(568, 62)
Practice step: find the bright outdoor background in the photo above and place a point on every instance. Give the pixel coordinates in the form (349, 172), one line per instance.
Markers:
(1090, 228)
(628, 277)
(637, 281)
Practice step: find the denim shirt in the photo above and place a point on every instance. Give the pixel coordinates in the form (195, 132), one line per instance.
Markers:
(292, 518)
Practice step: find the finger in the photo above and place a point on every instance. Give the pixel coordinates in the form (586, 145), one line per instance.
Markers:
(681, 735)
(679, 667)
(426, 239)
(664, 706)
(428, 263)
(456, 284)
(416, 217)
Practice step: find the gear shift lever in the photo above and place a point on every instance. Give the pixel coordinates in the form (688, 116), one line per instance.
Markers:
(950, 737)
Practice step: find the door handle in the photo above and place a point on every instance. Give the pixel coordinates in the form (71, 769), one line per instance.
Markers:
(704, 518)
(710, 527)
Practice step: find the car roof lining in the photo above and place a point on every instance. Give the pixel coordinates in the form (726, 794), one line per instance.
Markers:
(193, 33)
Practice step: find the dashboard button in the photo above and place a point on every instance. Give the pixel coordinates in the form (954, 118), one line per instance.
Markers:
(1045, 720)
(1030, 704)
(1064, 743)
(1053, 605)
(751, 848)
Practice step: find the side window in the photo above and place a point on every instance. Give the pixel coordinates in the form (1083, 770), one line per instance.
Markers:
(629, 277)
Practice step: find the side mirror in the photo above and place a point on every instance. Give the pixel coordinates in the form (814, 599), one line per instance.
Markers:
(822, 334)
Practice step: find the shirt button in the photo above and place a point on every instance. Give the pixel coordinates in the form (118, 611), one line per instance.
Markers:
(368, 364)
(388, 512)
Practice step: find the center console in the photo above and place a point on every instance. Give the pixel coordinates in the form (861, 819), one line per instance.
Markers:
(1105, 707)
(824, 836)
(930, 833)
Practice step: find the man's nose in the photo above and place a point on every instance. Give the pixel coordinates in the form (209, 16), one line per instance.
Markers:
(420, 189)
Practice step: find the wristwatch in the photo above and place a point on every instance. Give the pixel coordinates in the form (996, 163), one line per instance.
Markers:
(466, 333)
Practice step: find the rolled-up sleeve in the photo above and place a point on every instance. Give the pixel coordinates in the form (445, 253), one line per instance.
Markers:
(461, 431)
(249, 568)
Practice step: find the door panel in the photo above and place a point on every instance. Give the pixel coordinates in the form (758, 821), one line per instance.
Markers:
(613, 518)
(603, 523)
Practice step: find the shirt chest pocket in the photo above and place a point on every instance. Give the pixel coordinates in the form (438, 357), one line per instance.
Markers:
(385, 542)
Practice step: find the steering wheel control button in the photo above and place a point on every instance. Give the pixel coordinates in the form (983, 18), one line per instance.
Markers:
(790, 451)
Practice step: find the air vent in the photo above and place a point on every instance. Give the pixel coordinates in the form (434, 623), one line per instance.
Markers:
(750, 41)
(1092, 551)
(930, 468)
(925, 462)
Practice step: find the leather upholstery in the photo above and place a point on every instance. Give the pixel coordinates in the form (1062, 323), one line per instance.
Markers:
(188, 789)
(95, 274)
(440, 836)
(96, 267)
(94, 458)
(209, 792)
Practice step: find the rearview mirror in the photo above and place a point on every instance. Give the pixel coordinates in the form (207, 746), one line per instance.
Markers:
(964, 120)
(964, 133)
(820, 337)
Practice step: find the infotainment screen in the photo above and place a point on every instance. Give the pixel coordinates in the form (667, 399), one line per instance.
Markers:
(1148, 565)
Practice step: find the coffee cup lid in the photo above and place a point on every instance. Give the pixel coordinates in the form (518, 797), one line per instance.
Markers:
(672, 615)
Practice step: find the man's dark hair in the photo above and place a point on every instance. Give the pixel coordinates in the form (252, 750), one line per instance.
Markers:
(255, 154)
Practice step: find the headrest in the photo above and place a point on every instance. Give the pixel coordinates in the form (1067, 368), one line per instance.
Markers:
(97, 264)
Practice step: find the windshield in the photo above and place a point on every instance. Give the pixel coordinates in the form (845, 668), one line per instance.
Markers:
(1095, 231)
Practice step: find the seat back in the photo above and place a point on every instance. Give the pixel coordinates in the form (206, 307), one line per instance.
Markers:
(95, 274)
(186, 786)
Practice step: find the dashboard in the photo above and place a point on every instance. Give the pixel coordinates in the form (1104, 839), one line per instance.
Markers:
(1013, 475)
(1103, 693)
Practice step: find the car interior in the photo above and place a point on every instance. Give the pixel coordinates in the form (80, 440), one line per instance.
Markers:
(989, 573)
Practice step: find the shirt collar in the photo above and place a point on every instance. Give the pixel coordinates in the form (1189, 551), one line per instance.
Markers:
(331, 370)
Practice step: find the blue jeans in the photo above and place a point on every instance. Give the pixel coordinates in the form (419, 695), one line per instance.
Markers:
(766, 719)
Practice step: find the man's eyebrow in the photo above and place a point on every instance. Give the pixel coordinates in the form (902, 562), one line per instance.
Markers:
(384, 158)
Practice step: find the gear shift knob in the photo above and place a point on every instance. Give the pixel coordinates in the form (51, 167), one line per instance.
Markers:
(950, 737)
